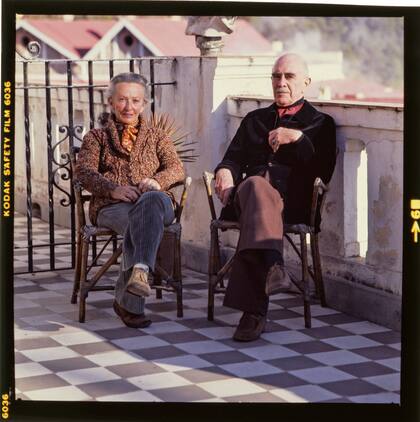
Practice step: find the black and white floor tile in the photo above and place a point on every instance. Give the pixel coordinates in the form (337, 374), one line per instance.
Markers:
(340, 359)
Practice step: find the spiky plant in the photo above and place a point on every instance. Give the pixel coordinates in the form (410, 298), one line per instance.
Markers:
(168, 125)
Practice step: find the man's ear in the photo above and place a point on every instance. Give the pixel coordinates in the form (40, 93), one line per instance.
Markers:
(110, 101)
(307, 81)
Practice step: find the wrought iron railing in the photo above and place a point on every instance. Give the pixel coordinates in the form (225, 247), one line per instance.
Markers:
(59, 170)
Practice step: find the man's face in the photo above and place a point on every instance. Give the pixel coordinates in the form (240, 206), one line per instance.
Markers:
(127, 102)
(289, 80)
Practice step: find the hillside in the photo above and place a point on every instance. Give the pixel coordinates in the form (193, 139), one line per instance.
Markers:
(372, 47)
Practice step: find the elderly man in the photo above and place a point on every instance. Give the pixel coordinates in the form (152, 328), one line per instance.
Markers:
(281, 149)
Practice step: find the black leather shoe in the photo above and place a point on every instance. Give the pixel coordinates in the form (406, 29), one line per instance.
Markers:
(277, 280)
(250, 327)
(131, 320)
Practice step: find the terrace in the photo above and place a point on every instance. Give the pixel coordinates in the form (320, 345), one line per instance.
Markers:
(342, 358)
(352, 352)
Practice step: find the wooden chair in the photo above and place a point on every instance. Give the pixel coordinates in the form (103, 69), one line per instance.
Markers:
(87, 233)
(218, 272)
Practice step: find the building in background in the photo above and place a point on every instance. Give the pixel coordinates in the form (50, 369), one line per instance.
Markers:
(125, 38)
(164, 36)
(92, 39)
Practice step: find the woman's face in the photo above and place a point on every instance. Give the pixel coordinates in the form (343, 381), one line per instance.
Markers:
(127, 102)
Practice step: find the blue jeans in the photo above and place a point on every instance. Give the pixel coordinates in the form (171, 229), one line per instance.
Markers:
(142, 224)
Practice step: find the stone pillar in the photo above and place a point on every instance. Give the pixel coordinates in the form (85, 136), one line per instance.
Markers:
(208, 31)
(355, 198)
(209, 46)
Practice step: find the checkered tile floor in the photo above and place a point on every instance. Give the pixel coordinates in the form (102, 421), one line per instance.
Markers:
(189, 359)
(41, 254)
(40, 236)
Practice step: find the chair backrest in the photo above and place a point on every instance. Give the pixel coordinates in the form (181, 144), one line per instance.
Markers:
(318, 200)
(208, 178)
(79, 195)
(183, 196)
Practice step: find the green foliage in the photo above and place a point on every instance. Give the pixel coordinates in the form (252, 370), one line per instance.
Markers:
(372, 47)
(171, 129)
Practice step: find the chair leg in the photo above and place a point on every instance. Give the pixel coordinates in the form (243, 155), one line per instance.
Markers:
(105, 267)
(316, 258)
(83, 273)
(217, 258)
(177, 276)
(305, 281)
(214, 265)
(177, 267)
(76, 283)
(179, 304)
(210, 302)
(157, 276)
(157, 281)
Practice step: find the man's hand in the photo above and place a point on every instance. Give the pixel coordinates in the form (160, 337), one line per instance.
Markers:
(223, 185)
(125, 193)
(282, 136)
(148, 184)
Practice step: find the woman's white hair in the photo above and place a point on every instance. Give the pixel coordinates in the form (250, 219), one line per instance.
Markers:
(129, 77)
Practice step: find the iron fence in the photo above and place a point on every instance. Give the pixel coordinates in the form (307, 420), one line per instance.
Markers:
(59, 170)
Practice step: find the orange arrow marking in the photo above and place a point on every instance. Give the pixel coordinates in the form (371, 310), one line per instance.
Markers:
(416, 230)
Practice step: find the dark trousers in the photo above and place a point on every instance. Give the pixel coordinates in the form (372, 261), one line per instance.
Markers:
(260, 244)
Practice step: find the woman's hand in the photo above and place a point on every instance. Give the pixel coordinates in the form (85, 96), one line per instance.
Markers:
(125, 193)
(148, 184)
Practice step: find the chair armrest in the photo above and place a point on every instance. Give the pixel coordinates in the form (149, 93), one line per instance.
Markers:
(318, 183)
(186, 183)
(208, 178)
(318, 198)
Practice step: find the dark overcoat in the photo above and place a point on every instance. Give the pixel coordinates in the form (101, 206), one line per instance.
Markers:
(294, 167)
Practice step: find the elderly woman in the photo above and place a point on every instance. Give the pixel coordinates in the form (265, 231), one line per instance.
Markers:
(128, 166)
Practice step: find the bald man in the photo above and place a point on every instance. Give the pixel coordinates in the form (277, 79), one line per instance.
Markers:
(266, 177)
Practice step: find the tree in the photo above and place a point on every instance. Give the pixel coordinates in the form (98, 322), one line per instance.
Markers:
(372, 47)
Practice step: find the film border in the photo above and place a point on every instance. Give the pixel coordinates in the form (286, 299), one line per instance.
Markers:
(44, 410)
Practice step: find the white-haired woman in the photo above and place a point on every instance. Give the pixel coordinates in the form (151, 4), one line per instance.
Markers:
(128, 165)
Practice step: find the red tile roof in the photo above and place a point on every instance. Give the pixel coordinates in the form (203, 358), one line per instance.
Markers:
(169, 37)
(166, 34)
(77, 36)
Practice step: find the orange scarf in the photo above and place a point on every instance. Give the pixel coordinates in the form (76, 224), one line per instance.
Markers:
(129, 135)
